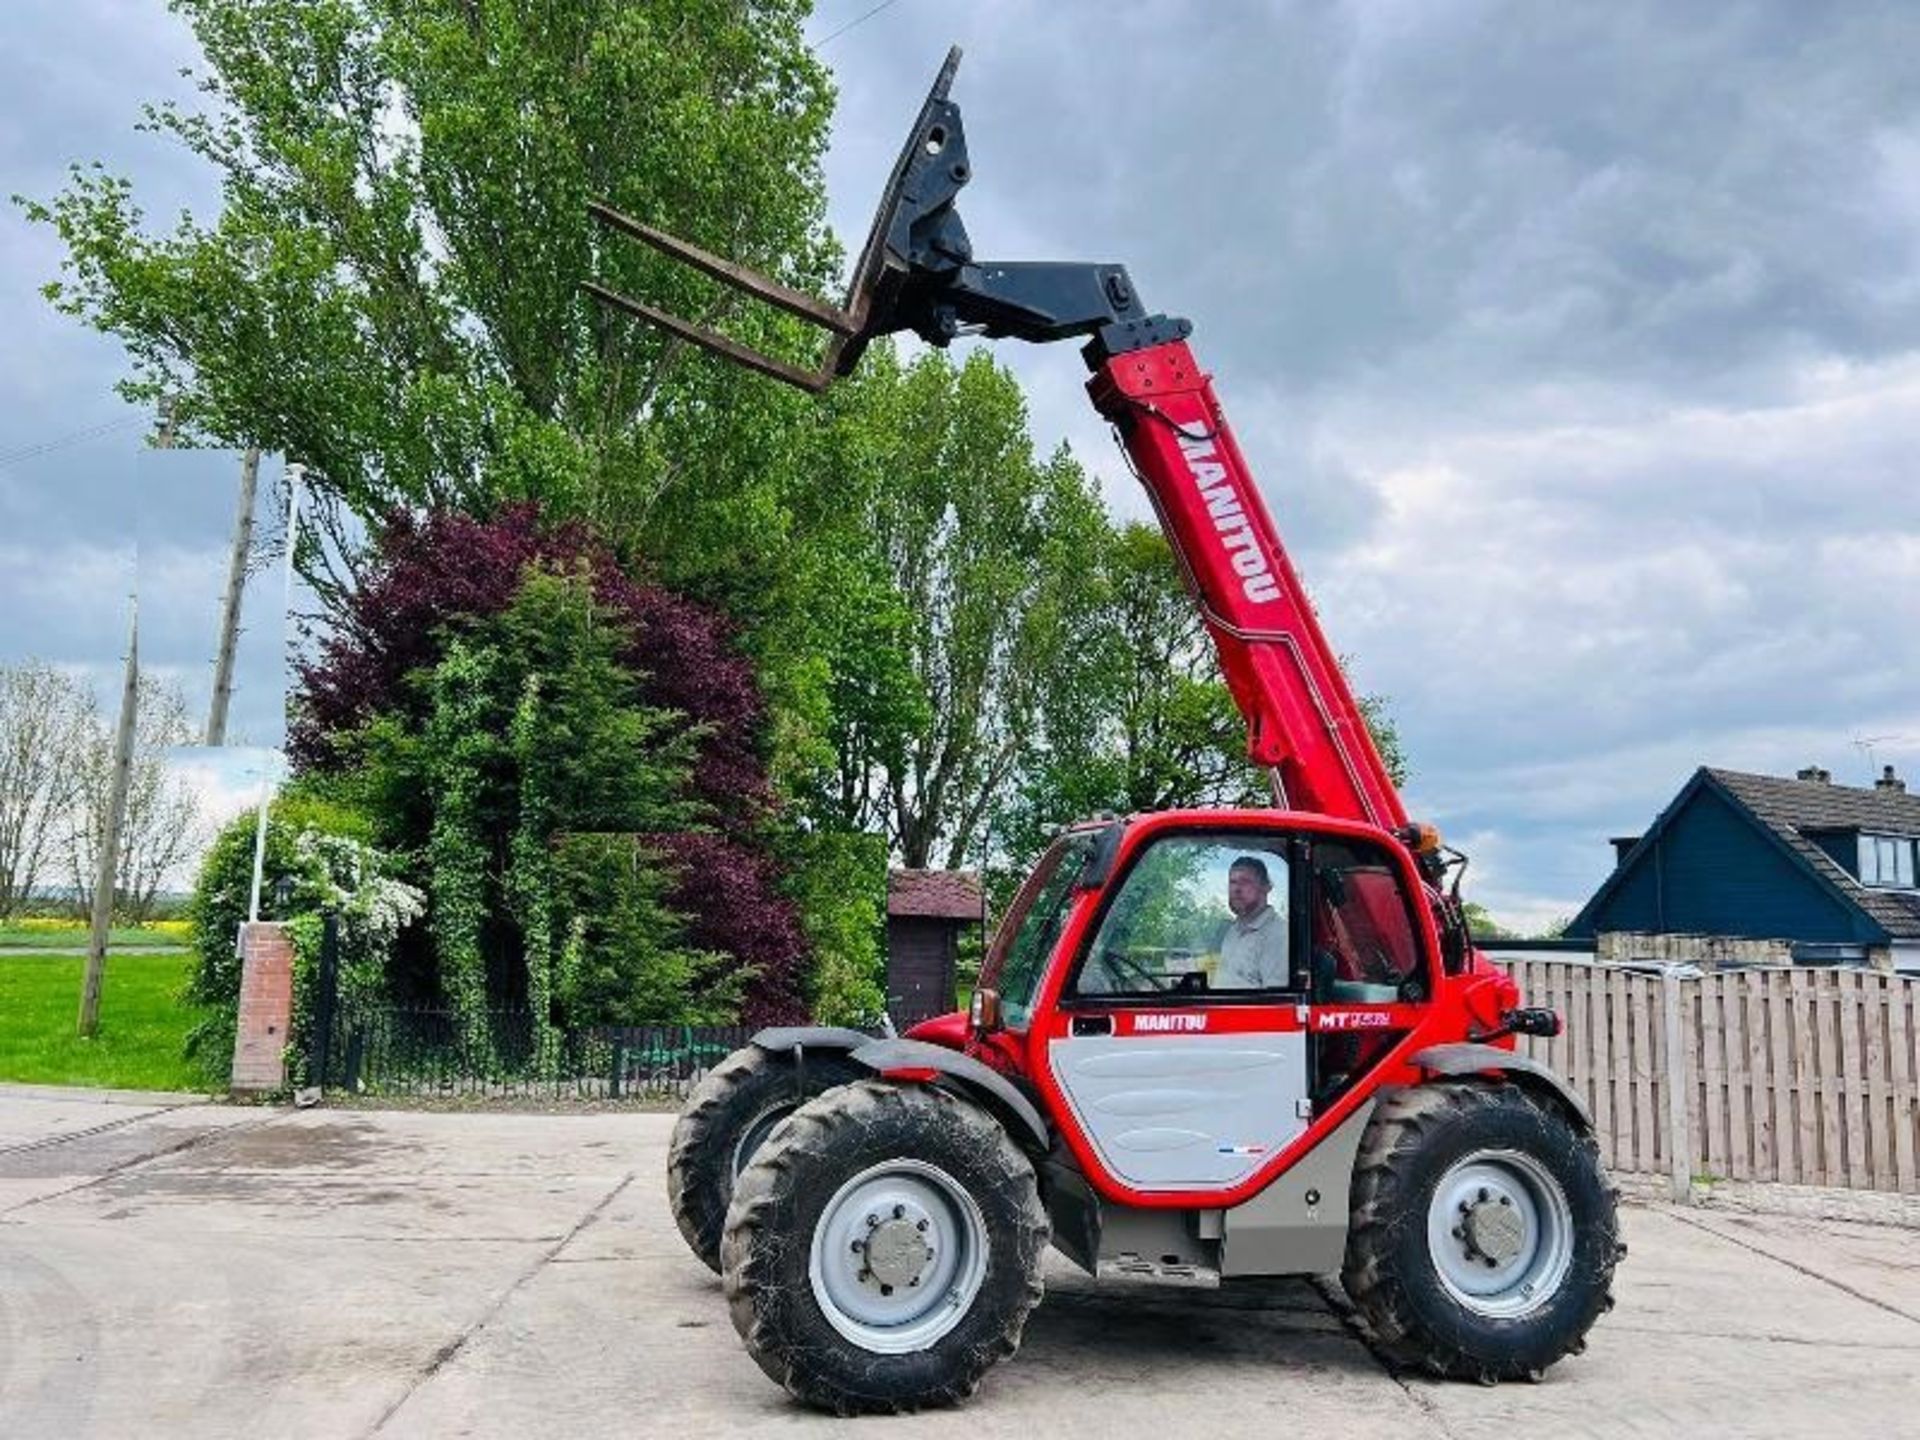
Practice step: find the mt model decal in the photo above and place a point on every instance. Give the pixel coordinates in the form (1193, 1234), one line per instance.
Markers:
(1352, 1019)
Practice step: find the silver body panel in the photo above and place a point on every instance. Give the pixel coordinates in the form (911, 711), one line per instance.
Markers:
(1184, 1112)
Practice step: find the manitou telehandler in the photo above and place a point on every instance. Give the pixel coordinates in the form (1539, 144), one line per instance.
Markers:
(1206, 1044)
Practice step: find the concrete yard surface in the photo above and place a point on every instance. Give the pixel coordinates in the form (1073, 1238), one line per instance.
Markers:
(173, 1268)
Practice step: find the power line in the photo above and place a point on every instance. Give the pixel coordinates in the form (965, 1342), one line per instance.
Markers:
(858, 20)
(61, 442)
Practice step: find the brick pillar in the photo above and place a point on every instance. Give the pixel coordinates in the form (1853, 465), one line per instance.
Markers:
(266, 1009)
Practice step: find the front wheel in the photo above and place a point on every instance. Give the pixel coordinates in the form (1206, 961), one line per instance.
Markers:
(883, 1249)
(1484, 1233)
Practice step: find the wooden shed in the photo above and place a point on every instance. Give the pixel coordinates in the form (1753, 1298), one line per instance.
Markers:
(926, 912)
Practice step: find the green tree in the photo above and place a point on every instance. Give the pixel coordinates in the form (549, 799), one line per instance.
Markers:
(1139, 717)
(839, 882)
(1385, 733)
(1481, 924)
(391, 292)
(623, 957)
(527, 731)
(982, 546)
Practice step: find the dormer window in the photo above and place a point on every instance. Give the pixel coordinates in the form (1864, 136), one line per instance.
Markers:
(1886, 861)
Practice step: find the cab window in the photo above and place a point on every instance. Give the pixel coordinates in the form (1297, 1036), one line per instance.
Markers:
(1196, 915)
(1365, 947)
(1018, 956)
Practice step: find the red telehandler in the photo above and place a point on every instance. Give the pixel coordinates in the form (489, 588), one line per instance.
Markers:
(1206, 1044)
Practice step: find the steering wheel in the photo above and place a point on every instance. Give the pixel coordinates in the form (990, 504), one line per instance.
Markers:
(1129, 975)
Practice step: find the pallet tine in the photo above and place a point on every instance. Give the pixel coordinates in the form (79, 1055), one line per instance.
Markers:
(812, 381)
(761, 287)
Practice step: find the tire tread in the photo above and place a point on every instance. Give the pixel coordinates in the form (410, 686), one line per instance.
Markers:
(703, 1139)
(1405, 1123)
(754, 1247)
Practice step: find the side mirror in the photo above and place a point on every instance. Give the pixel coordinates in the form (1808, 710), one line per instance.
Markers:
(1540, 1022)
(984, 1014)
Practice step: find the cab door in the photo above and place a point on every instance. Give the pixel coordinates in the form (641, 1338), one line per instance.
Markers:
(1180, 1042)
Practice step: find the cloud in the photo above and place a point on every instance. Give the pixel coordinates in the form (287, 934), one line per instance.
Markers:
(1576, 349)
(1577, 352)
(224, 783)
(72, 79)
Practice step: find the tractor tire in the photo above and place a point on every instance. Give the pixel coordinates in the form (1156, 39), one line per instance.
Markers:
(1484, 1233)
(726, 1119)
(883, 1249)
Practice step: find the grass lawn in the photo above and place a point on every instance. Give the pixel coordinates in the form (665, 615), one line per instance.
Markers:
(142, 1025)
(65, 934)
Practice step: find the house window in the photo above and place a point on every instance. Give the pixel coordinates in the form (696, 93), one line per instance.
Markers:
(1886, 860)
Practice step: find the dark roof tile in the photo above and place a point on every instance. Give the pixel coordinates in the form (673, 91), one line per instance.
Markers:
(936, 894)
(1794, 808)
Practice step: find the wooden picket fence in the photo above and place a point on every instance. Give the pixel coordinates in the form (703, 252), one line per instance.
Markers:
(1799, 1077)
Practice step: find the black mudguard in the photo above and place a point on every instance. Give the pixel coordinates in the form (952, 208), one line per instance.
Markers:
(1468, 1059)
(968, 1075)
(782, 1038)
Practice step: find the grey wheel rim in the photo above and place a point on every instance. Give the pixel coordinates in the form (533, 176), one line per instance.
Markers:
(1500, 1232)
(754, 1135)
(898, 1256)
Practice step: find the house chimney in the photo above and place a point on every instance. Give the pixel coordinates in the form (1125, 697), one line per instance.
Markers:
(1815, 774)
(1890, 782)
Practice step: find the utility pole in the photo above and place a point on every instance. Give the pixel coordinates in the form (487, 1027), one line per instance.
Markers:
(163, 437)
(109, 866)
(296, 477)
(230, 607)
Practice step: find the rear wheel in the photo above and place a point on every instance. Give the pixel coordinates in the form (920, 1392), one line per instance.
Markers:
(883, 1249)
(1484, 1232)
(726, 1119)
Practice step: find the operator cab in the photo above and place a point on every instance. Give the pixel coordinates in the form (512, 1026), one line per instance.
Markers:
(1196, 986)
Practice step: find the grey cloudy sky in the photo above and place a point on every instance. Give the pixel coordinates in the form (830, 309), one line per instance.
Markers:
(85, 524)
(1576, 347)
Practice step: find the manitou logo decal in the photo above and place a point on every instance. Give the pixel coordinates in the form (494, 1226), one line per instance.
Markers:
(1243, 546)
(1148, 1024)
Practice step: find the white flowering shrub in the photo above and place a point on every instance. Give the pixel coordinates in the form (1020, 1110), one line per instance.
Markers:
(355, 882)
(351, 878)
